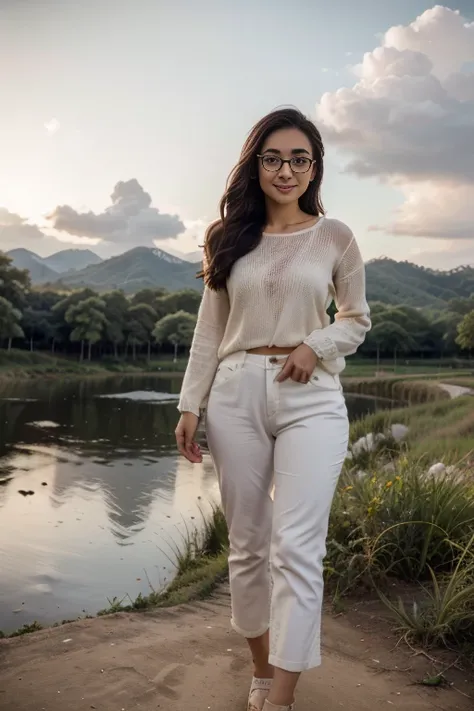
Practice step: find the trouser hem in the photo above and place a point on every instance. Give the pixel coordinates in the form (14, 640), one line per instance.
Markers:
(294, 666)
(248, 634)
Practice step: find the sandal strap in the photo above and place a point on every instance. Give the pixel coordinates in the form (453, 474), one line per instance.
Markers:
(268, 706)
(259, 690)
(260, 683)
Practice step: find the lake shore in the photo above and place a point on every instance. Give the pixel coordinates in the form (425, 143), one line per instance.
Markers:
(19, 366)
(189, 658)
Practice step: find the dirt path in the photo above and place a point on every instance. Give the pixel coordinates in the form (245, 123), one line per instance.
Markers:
(187, 659)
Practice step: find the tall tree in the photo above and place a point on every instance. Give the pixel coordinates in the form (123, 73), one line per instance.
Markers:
(14, 283)
(187, 300)
(148, 296)
(461, 306)
(88, 321)
(116, 306)
(177, 329)
(38, 325)
(465, 337)
(63, 328)
(141, 320)
(391, 337)
(10, 318)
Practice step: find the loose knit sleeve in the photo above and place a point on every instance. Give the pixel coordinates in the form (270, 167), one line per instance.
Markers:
(210, 326)
(344, 336)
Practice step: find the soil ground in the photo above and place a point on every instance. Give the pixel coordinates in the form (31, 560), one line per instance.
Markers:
(188, 659)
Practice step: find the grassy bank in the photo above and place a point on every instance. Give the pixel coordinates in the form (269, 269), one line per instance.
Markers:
(399, 388)
(20, 365)
(438, 430)
(23, 365)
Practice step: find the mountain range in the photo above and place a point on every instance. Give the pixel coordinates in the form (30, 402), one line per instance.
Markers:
(388, 281)
(48, 269)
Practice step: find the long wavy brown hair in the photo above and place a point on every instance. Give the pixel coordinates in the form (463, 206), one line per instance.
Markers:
(242, 207)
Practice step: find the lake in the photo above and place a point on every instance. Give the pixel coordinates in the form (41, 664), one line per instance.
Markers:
(111, 498)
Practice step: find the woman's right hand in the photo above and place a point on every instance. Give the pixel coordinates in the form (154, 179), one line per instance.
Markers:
(185, 433)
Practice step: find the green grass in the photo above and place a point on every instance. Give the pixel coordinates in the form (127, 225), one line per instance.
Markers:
(397, 388)
(396, 523)
(439, 430)
(445, 614)
(25, 364)
(21, 365)
(421, 368)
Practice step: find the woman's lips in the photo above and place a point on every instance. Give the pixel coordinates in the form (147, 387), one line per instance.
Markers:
(285, 188)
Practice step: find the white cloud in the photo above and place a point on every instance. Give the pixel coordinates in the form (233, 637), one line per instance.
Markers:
(21, 234)
(8, 218)
(52, 126)
(441, 34)
(409, 120)
(191, 239)
(435, 210)
(129, 220)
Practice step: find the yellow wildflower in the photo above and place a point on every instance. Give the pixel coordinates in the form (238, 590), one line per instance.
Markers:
(389, 484)
(348, 488)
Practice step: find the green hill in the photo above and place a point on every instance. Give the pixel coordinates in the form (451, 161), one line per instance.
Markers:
(136, 269)
(388, 281)
(395, 283)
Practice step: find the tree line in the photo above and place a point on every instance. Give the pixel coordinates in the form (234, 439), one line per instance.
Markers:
(117, 325)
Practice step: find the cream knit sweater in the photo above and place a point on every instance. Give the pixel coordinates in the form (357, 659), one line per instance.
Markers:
(277, 295)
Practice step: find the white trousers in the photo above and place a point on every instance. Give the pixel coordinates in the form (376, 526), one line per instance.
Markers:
(290, 438)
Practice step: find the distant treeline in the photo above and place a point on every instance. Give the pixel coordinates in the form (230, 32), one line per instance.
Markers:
(114, 324)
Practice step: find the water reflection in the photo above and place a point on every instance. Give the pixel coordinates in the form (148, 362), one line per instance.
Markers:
(110, 495)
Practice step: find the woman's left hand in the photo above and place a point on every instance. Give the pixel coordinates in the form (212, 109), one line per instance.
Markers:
(299, 365)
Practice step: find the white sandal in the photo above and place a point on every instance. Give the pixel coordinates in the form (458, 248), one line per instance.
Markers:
(259, 690)
(268, 706)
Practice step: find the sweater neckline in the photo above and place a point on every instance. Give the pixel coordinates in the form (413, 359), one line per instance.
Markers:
(298, 232)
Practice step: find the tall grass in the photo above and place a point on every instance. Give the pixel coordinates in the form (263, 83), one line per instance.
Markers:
(401, 389)
(401, 523)
(200, 559)
(446, 613)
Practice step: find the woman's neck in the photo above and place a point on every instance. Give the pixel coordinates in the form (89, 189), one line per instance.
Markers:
(281, 217)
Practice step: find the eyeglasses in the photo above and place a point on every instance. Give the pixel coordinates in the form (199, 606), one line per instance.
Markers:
(298, 164)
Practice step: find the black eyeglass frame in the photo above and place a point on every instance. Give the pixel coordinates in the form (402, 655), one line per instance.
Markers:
(285, 160)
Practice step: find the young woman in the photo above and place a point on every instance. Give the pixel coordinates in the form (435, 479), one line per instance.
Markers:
(265, 360)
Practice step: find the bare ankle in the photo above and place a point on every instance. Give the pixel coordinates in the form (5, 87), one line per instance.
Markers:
(263, 671)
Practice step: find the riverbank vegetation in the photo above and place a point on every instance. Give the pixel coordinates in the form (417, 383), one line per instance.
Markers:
(364, 376)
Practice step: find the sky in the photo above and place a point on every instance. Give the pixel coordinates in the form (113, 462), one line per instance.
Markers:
(121, 119)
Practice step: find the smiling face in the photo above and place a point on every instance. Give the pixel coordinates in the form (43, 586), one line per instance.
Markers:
(285, 185)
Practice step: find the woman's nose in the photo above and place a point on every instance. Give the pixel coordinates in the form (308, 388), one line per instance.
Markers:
(285, 171)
